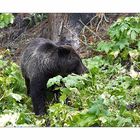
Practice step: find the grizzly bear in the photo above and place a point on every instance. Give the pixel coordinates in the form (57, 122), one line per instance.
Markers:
(41, 60)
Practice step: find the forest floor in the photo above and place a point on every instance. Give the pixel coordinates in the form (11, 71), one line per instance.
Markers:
(107, 96)
(17, 36)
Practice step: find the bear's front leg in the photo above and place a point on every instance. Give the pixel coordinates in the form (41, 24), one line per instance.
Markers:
(37, 92)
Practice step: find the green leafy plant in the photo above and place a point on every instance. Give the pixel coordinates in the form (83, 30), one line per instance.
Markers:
(124, 41)
(6, 19)
(101, 100)
(15, 106)
(107, 96)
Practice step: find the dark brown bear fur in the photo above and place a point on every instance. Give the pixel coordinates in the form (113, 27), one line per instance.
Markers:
(42, 60)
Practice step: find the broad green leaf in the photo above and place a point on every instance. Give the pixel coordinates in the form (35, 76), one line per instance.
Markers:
(23, 119)
(17, 97)
(124, 27)
(122, 44)
(124, 121)
(55, 80)
(2, 24)
(138, 44)
(133, 35)
(74, 81)
(6, 19)
(8, 118)
(104, 46)
(115, 53)
(134, 54)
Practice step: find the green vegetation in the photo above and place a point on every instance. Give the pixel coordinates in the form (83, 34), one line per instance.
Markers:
(124, 44)
(99, 98)
(6, 19)
(15, 106)
(109, 95)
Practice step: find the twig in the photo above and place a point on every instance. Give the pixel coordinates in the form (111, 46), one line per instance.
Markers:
(60, 28)
(99, 23)
(105, 18)
(102, 16)
(85, 26)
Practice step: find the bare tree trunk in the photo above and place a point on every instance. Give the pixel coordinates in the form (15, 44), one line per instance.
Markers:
(65, 28)
(56, 22)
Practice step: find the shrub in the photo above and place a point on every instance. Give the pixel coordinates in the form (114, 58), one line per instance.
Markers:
(6, 19)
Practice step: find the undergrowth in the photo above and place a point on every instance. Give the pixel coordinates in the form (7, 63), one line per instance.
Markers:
(107, 96)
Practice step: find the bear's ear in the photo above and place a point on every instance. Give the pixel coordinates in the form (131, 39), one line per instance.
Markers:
(63, 51)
